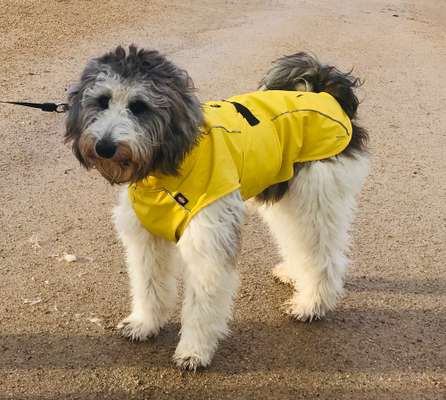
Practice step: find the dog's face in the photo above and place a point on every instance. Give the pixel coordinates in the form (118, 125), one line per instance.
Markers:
(132, 115)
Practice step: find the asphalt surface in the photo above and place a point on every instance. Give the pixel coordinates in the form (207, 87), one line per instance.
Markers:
(386, 339)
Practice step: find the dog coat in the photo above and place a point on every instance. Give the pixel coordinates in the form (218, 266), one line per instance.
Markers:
(248, 142)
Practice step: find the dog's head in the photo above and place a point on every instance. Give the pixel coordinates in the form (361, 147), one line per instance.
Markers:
(132, 114)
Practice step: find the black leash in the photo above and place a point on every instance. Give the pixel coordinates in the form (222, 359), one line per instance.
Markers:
(47, 107)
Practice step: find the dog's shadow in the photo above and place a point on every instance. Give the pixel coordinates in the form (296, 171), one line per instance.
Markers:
(348, 340)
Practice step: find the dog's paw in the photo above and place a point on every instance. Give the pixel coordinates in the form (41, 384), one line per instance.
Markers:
(306, 308)
(192, 356)
(137, 329)
(280, 273)
(190, 362)
(301, 314)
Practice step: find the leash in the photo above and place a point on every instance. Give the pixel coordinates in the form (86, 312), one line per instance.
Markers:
(47, 107)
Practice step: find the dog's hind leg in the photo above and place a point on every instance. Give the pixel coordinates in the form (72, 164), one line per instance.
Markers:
(209, 248)
(151, 267)
(311, 224)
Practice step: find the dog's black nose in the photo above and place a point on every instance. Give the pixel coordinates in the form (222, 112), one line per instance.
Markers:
(105, 148)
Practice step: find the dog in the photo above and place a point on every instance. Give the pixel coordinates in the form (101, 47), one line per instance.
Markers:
(134, 116)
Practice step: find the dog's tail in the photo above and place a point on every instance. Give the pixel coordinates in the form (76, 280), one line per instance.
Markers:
(304, 72)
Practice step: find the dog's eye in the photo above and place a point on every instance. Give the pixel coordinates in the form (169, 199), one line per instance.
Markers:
(103, 101)
(138, 107)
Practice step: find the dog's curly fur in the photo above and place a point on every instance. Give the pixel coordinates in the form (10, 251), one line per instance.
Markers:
(158, 138)
(134, 113)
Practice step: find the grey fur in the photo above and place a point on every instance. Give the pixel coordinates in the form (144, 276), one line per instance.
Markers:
(170, 125)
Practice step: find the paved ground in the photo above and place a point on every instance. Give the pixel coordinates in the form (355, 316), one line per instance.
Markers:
(387, 338)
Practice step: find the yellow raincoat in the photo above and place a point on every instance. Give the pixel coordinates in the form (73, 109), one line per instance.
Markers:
(249, 142)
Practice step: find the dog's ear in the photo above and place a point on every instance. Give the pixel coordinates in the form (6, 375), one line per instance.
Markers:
(75, 93)
(73, 90)
(74, 123)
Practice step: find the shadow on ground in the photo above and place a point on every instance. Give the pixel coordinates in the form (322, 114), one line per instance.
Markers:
(349, 340)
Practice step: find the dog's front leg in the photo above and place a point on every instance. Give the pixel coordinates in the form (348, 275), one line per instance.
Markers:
(151, 268)
(209, 248)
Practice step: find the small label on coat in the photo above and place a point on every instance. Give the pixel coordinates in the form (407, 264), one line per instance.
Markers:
(181, 199)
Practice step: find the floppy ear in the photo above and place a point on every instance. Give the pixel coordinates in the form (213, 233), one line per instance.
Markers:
(73, 112)
(72, 128)
(73, 90)
(74, 122)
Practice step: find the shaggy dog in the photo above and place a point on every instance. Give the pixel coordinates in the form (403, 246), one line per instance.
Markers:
(135, 118)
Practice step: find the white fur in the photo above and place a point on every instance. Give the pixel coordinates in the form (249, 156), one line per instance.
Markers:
(151, 268)
(209, 249)
(310, 223)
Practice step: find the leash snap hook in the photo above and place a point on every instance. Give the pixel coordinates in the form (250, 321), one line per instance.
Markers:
(61, 108)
